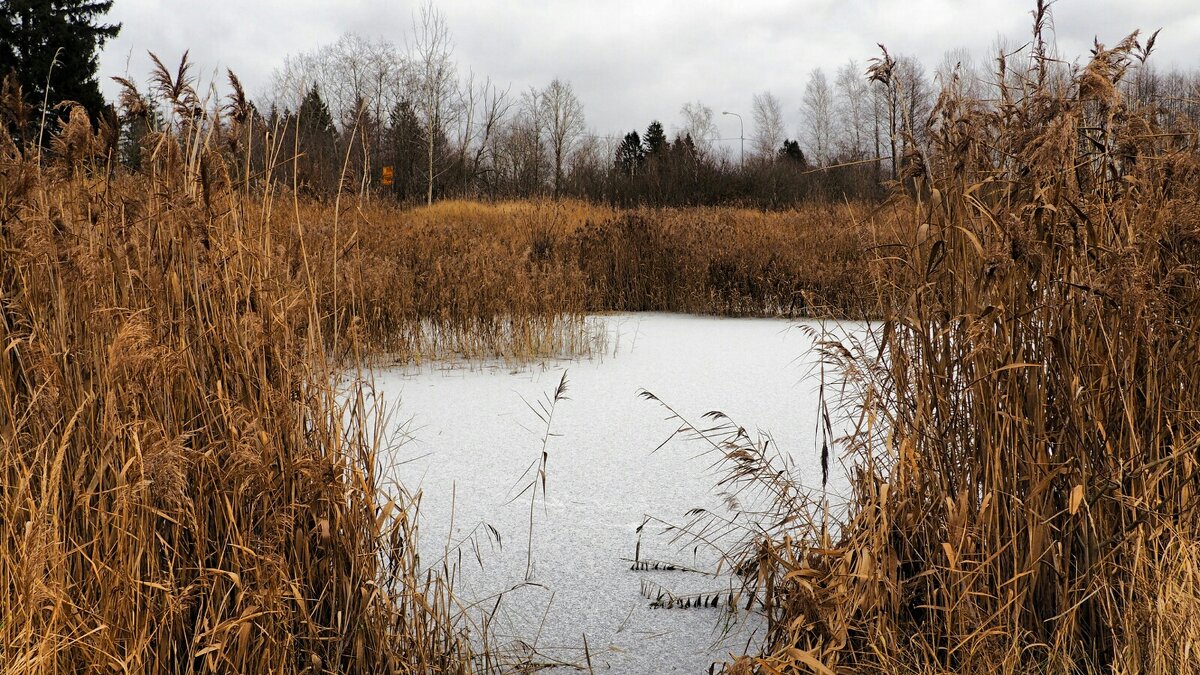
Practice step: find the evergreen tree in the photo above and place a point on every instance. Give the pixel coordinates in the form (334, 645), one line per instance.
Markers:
(630, 154)
(274, 117)
(315, 118)
(318, 144)
(133, 134)
(791, 152)
(685, 147)
(33, 32)
(404, 151)
(656, 138)
(360, 144)
(677, 170)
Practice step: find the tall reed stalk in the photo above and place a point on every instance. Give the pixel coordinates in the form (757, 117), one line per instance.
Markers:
(183, 489)
(1026, 422)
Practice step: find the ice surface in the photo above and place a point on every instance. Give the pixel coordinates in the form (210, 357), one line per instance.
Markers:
(473, 436)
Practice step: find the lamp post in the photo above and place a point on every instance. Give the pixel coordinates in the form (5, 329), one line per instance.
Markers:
(741, 135)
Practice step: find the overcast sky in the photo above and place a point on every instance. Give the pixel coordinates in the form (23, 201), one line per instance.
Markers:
(632, 61)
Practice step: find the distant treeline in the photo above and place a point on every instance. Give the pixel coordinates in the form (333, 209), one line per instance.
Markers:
(353, 107)
(370, 117)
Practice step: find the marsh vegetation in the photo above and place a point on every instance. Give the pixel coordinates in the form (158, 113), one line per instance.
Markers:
(196, 301)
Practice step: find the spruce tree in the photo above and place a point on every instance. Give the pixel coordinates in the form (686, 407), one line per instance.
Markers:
(318, 144)
(404, 152)
(315, 118)
(630, 154)
(33, 32)
(791, 152)
(656, 138)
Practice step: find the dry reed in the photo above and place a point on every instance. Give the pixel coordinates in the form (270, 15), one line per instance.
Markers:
(1026, 422)
(183, 489)
(519, 279)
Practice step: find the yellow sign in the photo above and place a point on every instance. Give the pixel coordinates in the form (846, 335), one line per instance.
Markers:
(387, 175)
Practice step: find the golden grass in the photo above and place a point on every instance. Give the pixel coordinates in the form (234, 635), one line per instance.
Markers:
(1026, 422)
(183, 491)
(518, 279)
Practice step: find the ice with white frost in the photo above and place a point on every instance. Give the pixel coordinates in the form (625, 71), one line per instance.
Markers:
(473, 436)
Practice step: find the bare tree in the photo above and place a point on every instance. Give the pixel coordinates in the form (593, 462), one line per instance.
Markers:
(853, 106)
(916, 99)
(590, 165)
(1180, 96)
(958, 75)
(434, 84)
(817, 112)
(1012, 69)
(1145, 84)
(361, 70)
(518, 151)
(486, 109)
(699, 124)
(769, 130)
(292, 80)
(347, 72)
(563, 116)
(530, 130)
(905, 101)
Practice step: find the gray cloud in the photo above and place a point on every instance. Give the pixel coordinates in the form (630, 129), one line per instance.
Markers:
(636, 60)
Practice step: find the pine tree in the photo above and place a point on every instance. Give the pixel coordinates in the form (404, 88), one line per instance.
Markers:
(318, 144)
(404, 151)
(134, 132)
(315, 118)
(685, 147)
(656, 138)
(630, 154)
(37, 33)
(791, 151)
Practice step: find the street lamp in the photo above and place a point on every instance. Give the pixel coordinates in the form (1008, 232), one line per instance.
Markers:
(741, 135)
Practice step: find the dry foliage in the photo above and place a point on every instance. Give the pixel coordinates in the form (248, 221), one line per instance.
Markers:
(1026, 422)
(518, 279)
(183, 489)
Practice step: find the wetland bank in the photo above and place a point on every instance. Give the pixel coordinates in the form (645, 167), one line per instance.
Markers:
(998, 476)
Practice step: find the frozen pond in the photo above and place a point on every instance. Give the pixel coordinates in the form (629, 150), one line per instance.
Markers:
(473, 436)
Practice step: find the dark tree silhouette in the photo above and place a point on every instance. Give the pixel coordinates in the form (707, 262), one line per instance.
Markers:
(134, 129)
(791, 151)
(318, 161)
(314, 114)
(403, 151)
(630, 154)
(656, 138)
(33, 32)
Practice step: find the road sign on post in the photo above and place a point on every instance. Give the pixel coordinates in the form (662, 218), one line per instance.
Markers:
(387, 176)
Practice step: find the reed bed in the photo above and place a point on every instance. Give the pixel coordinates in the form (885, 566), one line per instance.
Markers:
(1024, 424)
(190, 482)
(184, 491)
(520, 278)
